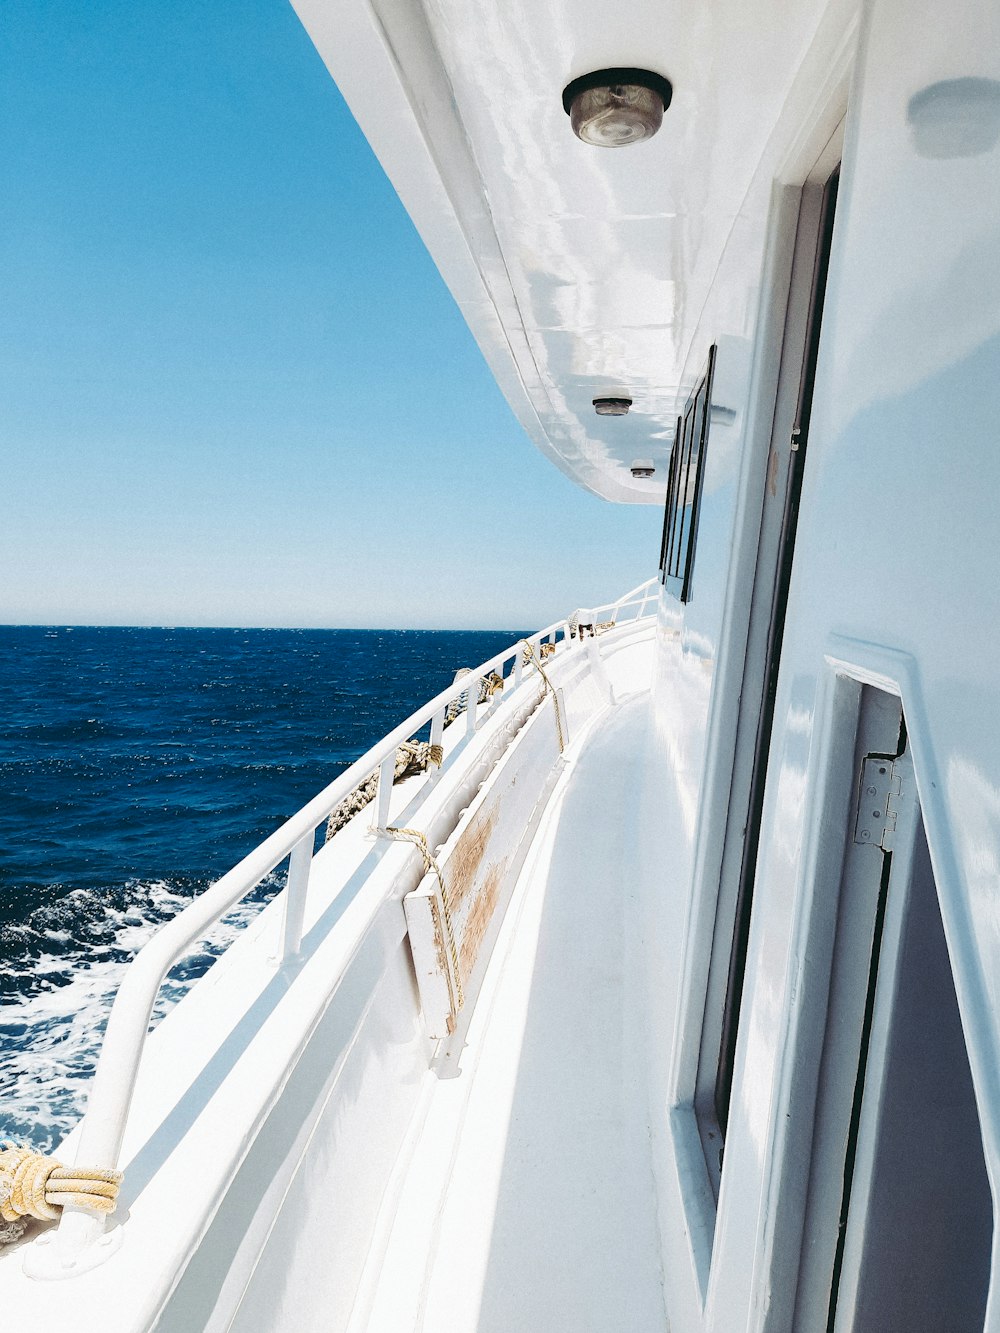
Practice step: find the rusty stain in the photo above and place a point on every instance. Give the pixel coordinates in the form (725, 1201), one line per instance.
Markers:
(465, 860)
(442, 956)
(480, 915)
(439, 945)
(772, 472)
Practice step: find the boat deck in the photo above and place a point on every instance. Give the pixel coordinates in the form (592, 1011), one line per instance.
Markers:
(526, 1199)
(300, 1152)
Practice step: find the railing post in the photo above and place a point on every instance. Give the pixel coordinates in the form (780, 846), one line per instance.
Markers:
(518, 665)
(472, 704)
(296, 888)
(386, 775)
(597, 668)
(437, 736)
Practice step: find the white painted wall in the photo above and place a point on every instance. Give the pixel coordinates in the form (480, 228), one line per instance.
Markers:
(895, 575)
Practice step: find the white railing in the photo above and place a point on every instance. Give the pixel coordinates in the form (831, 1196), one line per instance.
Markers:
(638, 598)
(114, 1081)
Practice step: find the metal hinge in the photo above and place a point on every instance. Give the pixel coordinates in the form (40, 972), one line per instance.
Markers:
(878, 801)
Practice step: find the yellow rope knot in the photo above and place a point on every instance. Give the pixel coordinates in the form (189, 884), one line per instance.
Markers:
(33, 1185)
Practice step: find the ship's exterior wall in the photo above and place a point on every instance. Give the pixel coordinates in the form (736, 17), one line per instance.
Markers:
(895, 574)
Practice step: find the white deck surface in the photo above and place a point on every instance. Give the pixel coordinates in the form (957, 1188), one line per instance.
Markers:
(526, 1201)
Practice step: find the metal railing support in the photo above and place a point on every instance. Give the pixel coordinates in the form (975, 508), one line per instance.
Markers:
(296, 888)
(436, 738)
(386, 776)
(472, 704)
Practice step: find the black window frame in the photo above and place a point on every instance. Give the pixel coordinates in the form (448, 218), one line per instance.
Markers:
(684, 487)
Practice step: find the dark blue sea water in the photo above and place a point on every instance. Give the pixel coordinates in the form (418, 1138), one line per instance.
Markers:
(136, 766)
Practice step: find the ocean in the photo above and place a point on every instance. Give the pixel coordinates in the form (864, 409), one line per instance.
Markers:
(138, 765)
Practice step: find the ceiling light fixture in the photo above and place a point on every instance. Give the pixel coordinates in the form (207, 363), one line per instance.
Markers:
(642, 467)
(615, 107)
(612, 407)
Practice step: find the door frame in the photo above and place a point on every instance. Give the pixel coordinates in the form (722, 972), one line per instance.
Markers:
(760, 665)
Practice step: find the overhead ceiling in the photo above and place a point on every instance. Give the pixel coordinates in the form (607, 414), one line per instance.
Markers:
(581, 271)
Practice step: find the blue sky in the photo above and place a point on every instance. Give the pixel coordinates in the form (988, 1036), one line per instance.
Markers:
(236, 391)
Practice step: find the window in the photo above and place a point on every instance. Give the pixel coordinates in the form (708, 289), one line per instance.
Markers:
(687, 464)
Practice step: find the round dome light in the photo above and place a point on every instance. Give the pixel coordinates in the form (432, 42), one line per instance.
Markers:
(615, 107)
(612, 407)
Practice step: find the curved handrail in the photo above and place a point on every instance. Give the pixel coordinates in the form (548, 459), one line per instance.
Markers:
(638, 596)
(114, 1080)
(104, 1123)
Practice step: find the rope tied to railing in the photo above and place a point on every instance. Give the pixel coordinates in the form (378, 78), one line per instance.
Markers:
(490, 684)
(33, 1185)
(412, 757)
(456, 992)
(530, 656)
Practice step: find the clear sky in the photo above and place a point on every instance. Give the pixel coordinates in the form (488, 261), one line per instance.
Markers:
(235, 390)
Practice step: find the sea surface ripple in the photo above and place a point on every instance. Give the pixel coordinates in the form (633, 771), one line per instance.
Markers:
(138, 765)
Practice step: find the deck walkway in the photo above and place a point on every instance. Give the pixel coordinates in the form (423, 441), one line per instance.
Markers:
(546, 1221)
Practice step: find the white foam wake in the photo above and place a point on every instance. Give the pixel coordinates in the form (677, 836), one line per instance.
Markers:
(66, 973)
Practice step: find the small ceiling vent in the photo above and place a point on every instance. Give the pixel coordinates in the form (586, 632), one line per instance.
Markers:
(643, 467)
(612, 407)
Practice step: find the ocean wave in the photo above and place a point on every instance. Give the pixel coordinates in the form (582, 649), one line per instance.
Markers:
(63, 967)
(166, 754)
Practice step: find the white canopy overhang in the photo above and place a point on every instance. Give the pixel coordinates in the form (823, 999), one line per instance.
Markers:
(581, 271)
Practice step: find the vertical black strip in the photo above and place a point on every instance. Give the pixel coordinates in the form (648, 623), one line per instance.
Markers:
(700, 426)
(859, 1088)
(671, 504)
(686, 497)
(684, 491)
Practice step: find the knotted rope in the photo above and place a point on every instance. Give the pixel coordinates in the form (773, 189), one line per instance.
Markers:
(488, 686)
(33, 1185)
(411, 757)
(529, 656)
(456, 993)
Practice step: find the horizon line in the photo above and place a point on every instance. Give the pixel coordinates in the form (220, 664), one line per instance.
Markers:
(354, 629)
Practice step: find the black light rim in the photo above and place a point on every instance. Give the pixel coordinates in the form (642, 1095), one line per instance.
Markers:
(608, 78)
